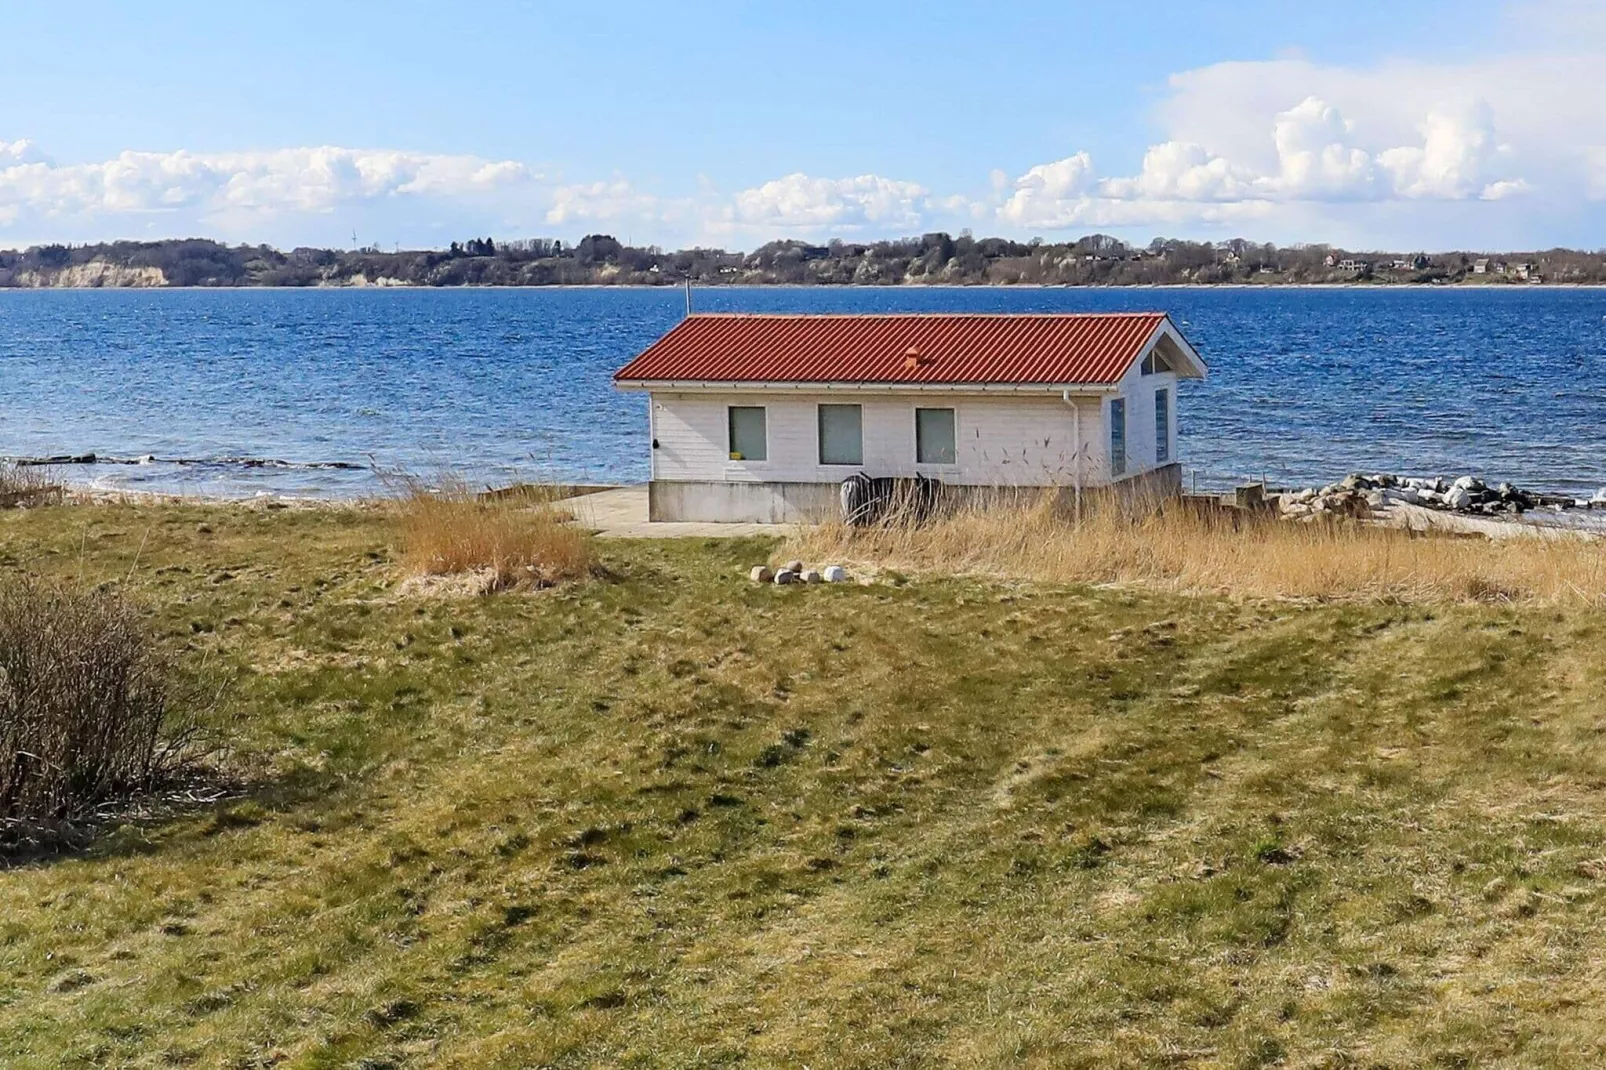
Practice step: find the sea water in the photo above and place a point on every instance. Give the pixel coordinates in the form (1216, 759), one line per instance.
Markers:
(317, 392)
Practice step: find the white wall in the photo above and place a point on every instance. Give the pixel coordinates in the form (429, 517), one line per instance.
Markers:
(1138, 390)
(1001, 440)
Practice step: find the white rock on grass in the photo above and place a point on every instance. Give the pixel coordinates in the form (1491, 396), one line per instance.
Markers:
(835, 574)
(760, 574)
(810, 575)
(784, 577)
(794, 567)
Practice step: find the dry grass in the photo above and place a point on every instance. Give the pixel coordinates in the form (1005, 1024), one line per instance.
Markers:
(23, 485)
(449, 530)
(1183, 550)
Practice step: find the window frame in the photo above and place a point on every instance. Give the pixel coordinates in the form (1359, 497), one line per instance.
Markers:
(819, 433)
(730, 436)
(1162, 425)
(1118, 461)
(953, 413)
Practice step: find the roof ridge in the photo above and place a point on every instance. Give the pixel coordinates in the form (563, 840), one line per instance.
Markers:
(922, 315)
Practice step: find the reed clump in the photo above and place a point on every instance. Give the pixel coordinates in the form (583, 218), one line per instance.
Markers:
(448, 529)
(26, 486)
(1224, 552)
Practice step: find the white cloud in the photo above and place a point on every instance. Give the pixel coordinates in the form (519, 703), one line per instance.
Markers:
(208, 184)
(1455, 159)
(801, 202)
(602, 202)
(1314, 160)
(1315, 156)
(18, 152)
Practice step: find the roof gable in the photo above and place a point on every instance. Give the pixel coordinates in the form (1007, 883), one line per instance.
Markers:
(917, 349)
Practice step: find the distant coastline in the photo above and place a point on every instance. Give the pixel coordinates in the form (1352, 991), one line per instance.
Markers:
(930, 260)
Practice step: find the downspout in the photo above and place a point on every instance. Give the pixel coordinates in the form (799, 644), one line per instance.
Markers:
(1076, 437)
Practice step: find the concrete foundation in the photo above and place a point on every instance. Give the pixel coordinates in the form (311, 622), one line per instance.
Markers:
(743, 503)
(815, 503)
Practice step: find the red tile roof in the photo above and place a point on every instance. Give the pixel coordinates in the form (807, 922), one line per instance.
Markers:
(1061, 348)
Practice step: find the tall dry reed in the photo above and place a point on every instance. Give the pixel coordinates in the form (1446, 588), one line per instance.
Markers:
(449, 529)
(26, 485)
(1181, 549)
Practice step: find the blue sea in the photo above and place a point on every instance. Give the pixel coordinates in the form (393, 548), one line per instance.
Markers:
(245, 392)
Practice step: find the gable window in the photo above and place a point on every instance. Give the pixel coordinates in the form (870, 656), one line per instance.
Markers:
(1162, 426)
(749, 440)
(841, 434)
(1117, 436)
(934, 436)
(1155, 363)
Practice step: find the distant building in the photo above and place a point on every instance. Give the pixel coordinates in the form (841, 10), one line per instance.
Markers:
(1351, 265)
(1524, 271)
(1480, 266)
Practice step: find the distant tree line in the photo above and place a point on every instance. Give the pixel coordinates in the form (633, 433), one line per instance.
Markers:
(1093, 260)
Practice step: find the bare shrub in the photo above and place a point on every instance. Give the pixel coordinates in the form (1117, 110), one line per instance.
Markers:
(1230, 551)
(26, 485)
(448, 529)
(84, 703)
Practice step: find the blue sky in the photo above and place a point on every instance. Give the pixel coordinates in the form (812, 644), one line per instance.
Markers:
(1366, 124)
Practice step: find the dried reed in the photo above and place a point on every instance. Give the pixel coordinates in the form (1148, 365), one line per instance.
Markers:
(449, 529)
(1180, 549)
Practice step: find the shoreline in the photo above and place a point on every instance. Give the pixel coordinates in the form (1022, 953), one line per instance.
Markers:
(673, 287)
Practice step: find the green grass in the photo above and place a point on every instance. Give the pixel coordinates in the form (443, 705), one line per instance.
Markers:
(670, 818)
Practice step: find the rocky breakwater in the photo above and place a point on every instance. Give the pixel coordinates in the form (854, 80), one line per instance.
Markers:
(1363, 496)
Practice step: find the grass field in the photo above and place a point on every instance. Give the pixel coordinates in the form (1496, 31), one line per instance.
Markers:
(665, 817)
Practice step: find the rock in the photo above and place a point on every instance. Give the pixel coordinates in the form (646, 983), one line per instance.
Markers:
(835, 574)
(794, 567)
(784, 577)
(1458, 498)
(810, 575)
(760, 574)
(1428, 496)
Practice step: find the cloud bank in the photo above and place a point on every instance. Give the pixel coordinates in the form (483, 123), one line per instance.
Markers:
(1509, 148)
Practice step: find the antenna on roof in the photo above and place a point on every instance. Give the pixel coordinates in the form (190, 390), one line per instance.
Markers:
(688, 296)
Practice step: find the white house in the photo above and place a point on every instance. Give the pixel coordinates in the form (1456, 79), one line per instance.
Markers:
(762, 417)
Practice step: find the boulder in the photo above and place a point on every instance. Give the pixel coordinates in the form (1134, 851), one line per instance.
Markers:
(760, 574)
(1458, 498)
(835, 574)
(794, 567)
(784, 577)
(810, 575)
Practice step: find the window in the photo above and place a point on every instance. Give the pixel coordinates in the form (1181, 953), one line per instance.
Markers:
(1162, 426)
(748, 440)
(1117, 436)
(841, 434)
(934, 436)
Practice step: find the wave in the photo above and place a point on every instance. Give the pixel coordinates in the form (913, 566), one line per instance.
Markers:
(209, 462)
